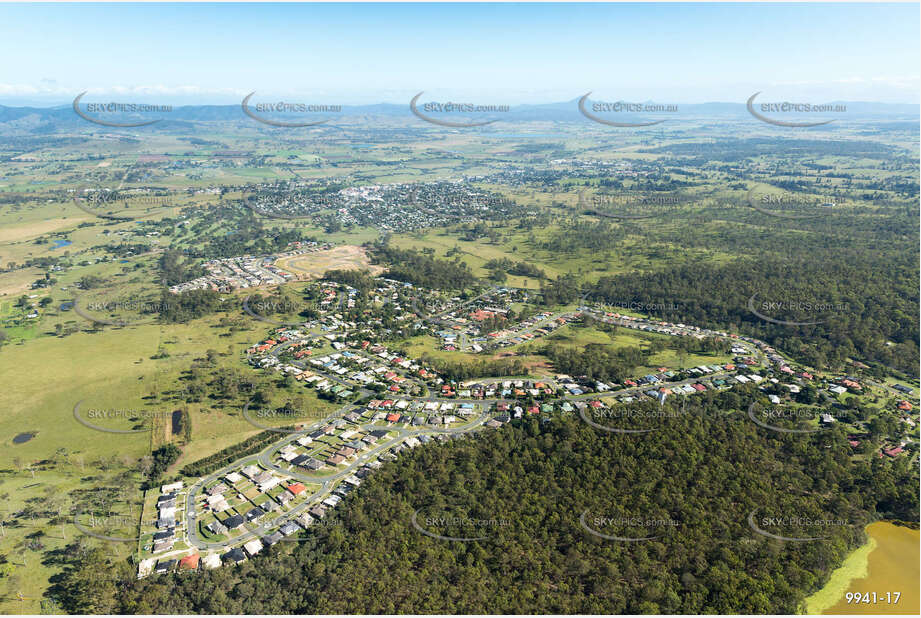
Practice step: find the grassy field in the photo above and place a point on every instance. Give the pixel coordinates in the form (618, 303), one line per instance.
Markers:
(135, 371)
(110, 371)
(572, 336)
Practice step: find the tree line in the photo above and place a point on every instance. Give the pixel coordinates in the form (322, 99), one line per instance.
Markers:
(703, 472)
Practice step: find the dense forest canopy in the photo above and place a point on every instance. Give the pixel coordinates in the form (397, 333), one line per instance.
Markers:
(861, 313)
(704, 471)
(424, 270)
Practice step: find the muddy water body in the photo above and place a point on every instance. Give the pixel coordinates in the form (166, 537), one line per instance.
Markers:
(887, 564)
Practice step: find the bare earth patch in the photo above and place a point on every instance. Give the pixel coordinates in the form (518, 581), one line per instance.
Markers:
(315, 265)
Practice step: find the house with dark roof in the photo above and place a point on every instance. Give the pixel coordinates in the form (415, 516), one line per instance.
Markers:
(234, 556)
(233, 522)
(163, 535)
(270, 539)
(254, 513)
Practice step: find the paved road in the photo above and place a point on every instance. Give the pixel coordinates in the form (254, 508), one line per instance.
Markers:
(328, 482)
(539, 324)
(194, 490)
(276, 352)
(436, 317)
(890, 390)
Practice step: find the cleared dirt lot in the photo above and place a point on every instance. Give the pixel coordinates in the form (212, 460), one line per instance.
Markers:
(315, 265)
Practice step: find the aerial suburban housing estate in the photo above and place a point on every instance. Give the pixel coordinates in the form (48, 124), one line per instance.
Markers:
(460, 309)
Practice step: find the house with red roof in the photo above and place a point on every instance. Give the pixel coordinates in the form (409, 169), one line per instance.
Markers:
(296, 488)
(190, 562)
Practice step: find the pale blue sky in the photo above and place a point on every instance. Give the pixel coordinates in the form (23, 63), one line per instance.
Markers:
(509, 53)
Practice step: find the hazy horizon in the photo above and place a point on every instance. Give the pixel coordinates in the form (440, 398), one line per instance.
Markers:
(194, 54)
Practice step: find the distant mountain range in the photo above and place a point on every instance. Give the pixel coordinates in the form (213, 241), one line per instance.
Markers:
(62, 117)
